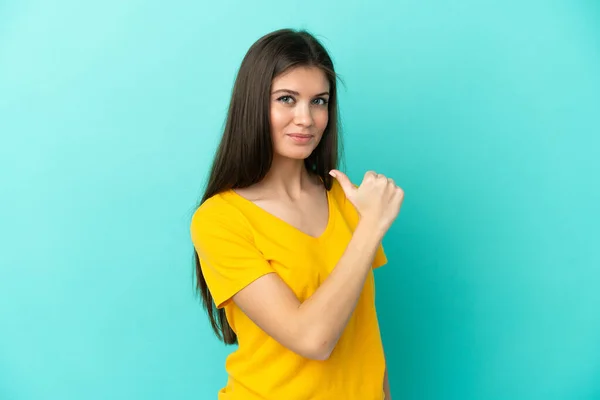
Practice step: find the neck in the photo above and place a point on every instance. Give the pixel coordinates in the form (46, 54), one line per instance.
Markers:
(288, 177)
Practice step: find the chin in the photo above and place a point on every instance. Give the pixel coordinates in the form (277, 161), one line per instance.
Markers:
(296, 154)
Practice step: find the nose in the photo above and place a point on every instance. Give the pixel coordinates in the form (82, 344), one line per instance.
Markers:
(303, 115)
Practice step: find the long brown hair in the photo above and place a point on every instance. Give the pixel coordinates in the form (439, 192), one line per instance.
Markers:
(245, 152)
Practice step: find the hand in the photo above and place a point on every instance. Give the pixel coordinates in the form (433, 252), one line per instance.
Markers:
(377, 199)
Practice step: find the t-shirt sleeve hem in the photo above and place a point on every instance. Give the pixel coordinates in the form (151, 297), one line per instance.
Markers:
(223, 299)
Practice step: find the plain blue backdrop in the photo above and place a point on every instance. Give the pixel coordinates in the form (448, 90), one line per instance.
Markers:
(487, 113)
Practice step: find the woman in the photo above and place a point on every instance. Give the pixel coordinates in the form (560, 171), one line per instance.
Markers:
(285, 252)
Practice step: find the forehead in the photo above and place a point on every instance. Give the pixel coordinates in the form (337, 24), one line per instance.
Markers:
(304, 80)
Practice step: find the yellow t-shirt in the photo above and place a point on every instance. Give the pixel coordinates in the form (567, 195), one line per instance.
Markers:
(237, 242)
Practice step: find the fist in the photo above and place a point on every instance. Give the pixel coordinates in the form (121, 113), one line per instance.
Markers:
(378, 199)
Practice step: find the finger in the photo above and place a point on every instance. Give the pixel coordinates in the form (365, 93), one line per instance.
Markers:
(399, 192)
(344, 181)
(370, 175)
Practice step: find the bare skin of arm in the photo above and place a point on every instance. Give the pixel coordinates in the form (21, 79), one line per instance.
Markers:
(313, 327)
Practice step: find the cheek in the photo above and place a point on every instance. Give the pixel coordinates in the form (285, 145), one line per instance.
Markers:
(279, 119)
(321, 119)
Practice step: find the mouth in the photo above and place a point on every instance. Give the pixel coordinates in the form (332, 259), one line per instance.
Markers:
(300, 137)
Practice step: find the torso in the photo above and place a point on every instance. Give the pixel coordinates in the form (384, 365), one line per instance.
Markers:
(241, 242)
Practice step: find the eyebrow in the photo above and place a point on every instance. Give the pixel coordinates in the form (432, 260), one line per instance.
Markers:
(298, 94)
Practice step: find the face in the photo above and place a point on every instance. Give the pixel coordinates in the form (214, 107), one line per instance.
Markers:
(299, 111)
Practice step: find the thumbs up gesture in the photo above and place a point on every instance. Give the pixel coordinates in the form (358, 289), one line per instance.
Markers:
(377, 199)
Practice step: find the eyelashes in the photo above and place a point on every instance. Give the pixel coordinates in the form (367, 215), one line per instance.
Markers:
(319, 101)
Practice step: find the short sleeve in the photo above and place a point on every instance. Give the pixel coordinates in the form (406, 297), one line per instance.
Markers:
(224, 242)
(351, 216)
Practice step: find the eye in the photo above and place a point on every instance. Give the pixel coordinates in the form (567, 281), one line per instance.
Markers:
(320, 101)
(286, 99)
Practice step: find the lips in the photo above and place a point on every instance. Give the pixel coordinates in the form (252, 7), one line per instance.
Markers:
(300, 138)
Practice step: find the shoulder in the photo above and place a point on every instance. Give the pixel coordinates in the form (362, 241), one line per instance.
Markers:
(337, 193)
(213, 209)
(218, 217)
(345, 206)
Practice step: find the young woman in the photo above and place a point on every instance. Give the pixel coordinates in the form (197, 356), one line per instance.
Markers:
(284, 243)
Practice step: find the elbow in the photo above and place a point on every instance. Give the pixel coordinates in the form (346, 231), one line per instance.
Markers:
(321, 355)
(317, 348)
(317, 352)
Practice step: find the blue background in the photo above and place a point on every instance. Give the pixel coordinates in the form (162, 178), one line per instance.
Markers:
(487, 113)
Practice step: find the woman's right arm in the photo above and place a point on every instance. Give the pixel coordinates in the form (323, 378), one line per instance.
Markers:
(312, 328)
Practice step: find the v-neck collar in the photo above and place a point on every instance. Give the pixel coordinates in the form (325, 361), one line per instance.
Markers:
(248, 203)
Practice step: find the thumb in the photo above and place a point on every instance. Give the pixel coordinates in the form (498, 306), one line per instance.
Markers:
(347, 186)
